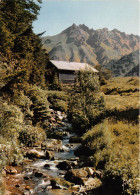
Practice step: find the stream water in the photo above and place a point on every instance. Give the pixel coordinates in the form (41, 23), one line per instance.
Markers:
(26, 183)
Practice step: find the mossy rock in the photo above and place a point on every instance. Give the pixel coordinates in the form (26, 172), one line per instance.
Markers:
(58, 135)
(61, 182)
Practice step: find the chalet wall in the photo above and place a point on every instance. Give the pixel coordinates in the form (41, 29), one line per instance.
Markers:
(66, 75)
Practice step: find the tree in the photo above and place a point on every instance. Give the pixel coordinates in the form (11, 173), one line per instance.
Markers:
(56, 84)
(17, 39)
(16, 19)
(104, 74)
(86, 104)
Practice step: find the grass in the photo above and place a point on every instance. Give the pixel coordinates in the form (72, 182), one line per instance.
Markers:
(113, 144)
(122, 97)
(115, 148)
(121, 86)
(121, 102)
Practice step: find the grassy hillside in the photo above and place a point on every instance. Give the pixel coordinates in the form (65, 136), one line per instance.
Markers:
(121, 93)
(112, 144)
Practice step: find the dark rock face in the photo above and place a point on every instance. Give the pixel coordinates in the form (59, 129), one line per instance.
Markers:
(67, 165)
(133, 72)
(55, 185)
(49, 155)
(38, 174)
(81, 44)
(128, 65)
(46, 166)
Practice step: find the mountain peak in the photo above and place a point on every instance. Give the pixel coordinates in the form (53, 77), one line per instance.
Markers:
(82, 44)
(74, 25)
(85, 28)
(115, 30)
(71, 28)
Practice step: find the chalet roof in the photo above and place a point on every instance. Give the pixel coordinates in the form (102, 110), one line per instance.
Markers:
(64, 65)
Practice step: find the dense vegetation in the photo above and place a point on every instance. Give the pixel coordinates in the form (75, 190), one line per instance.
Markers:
(114, 146)
(18, 42)
(25, 101)
(113, 143)
(106, 117)
(86, 105)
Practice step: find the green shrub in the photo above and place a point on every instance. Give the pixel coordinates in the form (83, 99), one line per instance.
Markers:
(86, 103)
(24, 103)
(60, 105)
(10, 153)
(104, 74)
(56, 84)
(57, 95)
(40, 104)
(11, 120)
(115, 147)
(31, 135)
(58, 100)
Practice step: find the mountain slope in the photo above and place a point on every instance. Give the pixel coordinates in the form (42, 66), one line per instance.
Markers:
(81, 44)
(128, 65)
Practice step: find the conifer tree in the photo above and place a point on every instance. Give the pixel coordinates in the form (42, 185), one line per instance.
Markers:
(17, 39)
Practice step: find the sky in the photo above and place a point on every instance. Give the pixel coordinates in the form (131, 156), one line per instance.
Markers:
(57, 15)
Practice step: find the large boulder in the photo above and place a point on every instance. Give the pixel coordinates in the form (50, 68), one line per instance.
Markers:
(49, 155)
(90, 171)
(59, 183)
(77, 176)
(92, 182)
(52, 145)
(46, 166)
(37, 174)
(67, 165)
(33, 153)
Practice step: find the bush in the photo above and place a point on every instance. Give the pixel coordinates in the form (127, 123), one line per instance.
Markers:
(10, 153)
(11, 121)
(115, 147)
(104, 74)
(56, 84)
(56, 95)
(24, 103)
(40, 104)
(58, 100)
(31, 135)
(60, 105)
(86, 103)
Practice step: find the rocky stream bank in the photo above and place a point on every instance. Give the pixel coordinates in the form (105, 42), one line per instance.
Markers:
(52, 167)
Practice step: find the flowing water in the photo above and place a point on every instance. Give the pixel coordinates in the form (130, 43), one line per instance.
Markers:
(26, 183)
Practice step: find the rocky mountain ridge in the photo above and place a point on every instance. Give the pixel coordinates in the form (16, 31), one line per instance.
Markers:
(128, 65)
(81, 44)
